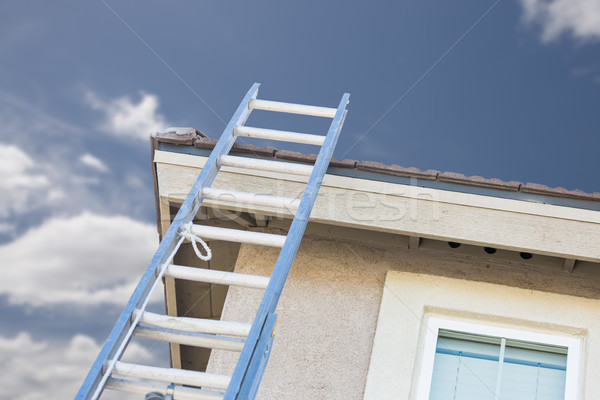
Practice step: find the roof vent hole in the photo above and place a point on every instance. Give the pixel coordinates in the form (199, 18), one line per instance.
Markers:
(489, 250)
(454, 245)
(526, 256)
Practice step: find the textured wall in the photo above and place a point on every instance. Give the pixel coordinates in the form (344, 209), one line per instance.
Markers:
(327, 317)
(329, 308)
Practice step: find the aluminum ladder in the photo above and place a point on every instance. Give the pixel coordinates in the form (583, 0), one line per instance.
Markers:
(254, 340)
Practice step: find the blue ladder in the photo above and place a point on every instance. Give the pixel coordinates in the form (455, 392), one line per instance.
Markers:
(254, 340)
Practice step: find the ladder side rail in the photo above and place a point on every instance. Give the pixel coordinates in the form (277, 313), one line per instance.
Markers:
(243, 377)
(113, 347)
(121, 332)
(258, 363)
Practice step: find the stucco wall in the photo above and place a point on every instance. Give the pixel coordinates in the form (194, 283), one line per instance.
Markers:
(326, 322)
(329, 309)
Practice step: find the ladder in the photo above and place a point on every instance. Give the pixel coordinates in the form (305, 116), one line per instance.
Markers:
(253, 340)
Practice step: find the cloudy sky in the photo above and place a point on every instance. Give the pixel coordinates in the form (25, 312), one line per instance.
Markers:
(505, 89)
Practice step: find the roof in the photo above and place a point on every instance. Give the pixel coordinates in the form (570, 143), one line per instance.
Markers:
(197, 139)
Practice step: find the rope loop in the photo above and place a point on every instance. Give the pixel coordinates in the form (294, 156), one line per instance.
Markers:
(186, 232)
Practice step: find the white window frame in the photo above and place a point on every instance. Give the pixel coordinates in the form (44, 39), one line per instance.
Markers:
(434, 324)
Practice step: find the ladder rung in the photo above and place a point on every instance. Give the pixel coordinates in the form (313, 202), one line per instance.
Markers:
(250, 198)
(215, 327)
(237, 235)
(292, 108)
(216, 276)
(265, 165)
(190, 338)
(284, 136)
(172, 375)
(179, 392)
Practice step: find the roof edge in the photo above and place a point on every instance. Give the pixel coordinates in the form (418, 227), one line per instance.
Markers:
(451, 181)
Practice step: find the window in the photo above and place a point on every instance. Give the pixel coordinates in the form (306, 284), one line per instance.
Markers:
(466, 361)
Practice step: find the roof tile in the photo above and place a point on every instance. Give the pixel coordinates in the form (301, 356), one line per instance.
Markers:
(296, 156)
(252, 149)
(454, 177)
(208, 143)
(205, 143)
(537, 188)
(345, 163)
(200, 140)
(174, 138)
(311, 158)
(397, 170)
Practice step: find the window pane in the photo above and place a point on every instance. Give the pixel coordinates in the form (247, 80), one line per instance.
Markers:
(466, 367)
(529, 374)
(464, 370)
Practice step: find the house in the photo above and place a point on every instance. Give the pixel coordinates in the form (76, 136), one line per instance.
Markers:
(408, 283)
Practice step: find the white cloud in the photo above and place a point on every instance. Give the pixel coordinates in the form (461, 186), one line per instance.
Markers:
(579, 18)
(15, 169)
(126, 118)
(55, 195)
(40, 370)
(93, 162)
(82, 260)
(20, 184)
(54, 146)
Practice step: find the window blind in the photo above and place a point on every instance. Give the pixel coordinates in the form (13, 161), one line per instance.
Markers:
(473, 367)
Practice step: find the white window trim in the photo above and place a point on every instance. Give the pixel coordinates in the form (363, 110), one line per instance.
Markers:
(434, 324)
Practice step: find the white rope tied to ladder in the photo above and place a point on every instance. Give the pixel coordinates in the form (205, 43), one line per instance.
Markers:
(186, 232)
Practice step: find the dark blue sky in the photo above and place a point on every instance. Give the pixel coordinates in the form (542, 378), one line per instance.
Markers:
(502, 89)
(501, 103)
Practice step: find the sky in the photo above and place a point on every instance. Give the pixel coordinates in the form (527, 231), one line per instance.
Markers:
(506, 89)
